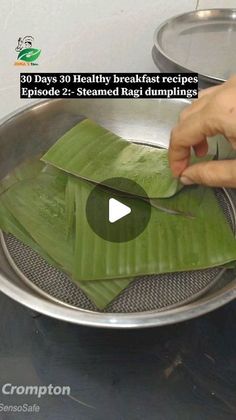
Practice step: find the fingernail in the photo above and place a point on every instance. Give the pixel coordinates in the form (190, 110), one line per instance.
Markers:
(186, 181)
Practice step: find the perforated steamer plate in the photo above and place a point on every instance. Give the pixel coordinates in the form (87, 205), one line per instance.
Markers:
(156, 292)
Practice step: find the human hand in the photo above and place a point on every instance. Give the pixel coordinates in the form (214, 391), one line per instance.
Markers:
(214, 112)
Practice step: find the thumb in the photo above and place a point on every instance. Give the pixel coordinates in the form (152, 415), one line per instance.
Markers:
(213, 174)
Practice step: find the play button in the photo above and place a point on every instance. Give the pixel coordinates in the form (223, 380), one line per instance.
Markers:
(116, 215)
(117, 210)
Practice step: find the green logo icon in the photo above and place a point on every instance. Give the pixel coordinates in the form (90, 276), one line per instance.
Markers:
(29, 54)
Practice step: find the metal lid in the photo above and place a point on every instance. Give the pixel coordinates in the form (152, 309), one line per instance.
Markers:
(201, 41)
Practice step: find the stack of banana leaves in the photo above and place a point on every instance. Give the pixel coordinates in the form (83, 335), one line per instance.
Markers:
(43, 204)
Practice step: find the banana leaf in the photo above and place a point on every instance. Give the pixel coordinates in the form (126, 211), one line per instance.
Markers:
(70, 204)
(103, 292)
(28, 169)
(9, 224)
(35, 197)
(100, 292)
(35, 202)
(39, 206)
(94, 153)
(168, 244)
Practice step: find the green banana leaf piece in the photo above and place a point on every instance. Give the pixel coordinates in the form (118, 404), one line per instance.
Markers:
(100, 292)
(103, 292)
(38, 200)
(28, 169)
(39, 206)
(168, 244)
(9, 224)
(94, 153)
(70, 204)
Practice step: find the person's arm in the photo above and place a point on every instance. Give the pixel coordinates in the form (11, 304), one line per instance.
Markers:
(214, 112)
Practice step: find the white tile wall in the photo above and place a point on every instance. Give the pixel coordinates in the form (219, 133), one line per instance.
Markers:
(210, 4)
(80, 35)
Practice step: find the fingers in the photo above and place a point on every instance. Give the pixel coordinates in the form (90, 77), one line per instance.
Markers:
(201, 149)
(194, 107)
(213, 174)
(213, 113)
(190, 132)
(198, 104)
(209, 91)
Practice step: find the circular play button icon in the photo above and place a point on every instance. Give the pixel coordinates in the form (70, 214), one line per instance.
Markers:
(118, 216)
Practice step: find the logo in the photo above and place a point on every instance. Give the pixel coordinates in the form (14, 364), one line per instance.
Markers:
(27, 55)
(38, 390)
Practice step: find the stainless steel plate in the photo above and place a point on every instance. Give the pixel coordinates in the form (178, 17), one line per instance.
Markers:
(34, 129)
(201, 41)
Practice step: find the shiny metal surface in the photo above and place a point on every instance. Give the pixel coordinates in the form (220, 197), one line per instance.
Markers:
(32, 130)
(201, 41)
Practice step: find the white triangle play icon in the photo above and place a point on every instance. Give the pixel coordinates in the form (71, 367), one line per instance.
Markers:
(117, 210)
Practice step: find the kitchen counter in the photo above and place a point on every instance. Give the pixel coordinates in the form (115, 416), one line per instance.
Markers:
(185, 371)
